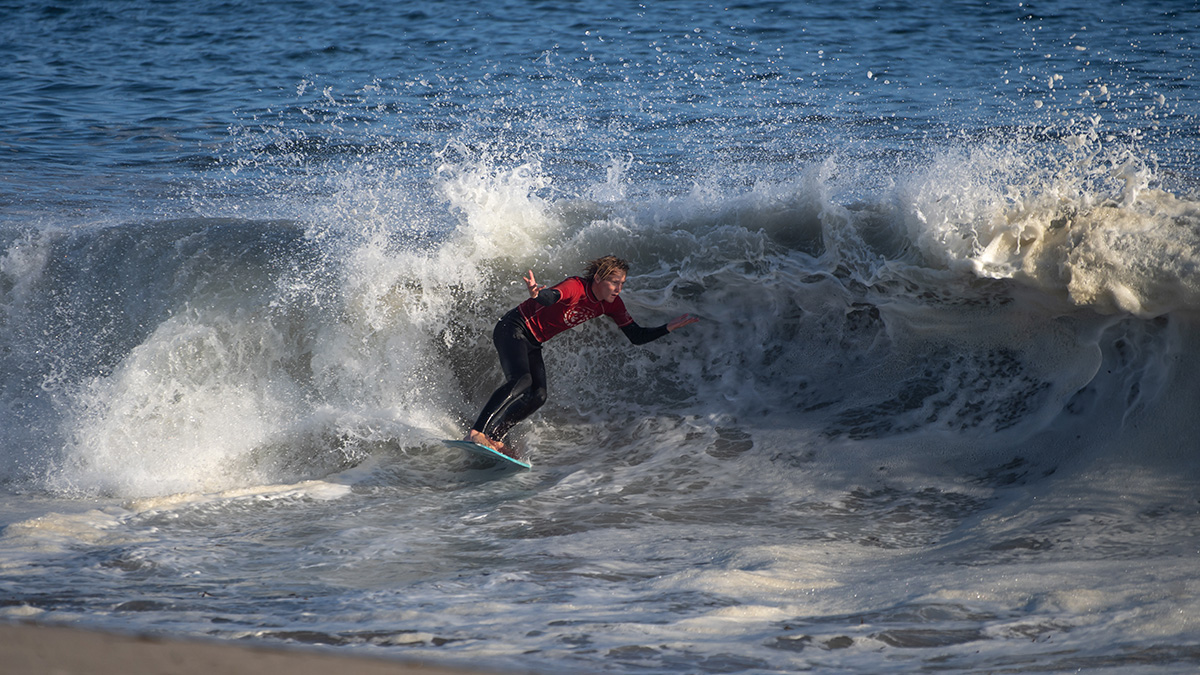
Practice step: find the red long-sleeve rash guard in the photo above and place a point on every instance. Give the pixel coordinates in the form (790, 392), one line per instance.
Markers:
(570, 303)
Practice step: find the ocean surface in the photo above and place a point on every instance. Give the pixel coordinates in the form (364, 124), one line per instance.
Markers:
(940, 414)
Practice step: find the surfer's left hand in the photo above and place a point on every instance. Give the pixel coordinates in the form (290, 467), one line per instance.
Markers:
(681, 321)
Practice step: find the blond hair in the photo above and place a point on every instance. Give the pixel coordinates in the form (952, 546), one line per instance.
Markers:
(600, 268)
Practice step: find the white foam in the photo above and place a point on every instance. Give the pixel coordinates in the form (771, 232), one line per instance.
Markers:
(1076, 221)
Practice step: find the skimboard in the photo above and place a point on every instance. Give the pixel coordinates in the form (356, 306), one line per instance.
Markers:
(485, 451)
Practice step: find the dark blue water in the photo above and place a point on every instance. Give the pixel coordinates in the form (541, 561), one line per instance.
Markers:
(105, 99)
(938, 413)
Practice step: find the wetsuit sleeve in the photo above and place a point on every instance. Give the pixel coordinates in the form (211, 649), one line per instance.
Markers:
(548, 296)
(640, 336)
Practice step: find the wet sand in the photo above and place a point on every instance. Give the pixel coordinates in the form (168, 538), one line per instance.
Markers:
(30, 649)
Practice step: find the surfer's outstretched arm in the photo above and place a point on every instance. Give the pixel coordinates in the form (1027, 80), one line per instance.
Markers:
(639, 335)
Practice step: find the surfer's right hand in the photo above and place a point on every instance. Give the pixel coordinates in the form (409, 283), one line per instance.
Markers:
(532, 284)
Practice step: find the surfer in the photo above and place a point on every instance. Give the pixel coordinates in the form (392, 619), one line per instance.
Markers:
(520, 333)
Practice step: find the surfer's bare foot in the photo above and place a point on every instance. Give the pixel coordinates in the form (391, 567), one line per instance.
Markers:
(508, 450)
(479, 438)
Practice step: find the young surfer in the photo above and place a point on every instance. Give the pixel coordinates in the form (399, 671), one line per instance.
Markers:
(519, 335)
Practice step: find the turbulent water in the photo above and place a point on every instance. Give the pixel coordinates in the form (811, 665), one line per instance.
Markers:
(939, 413)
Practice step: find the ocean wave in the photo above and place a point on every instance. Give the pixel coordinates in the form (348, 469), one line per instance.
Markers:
(985, 298)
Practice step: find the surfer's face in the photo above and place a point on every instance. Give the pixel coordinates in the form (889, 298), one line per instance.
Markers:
(609, 287)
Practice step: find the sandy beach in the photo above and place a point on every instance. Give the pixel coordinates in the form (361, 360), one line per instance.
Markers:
(30, 649)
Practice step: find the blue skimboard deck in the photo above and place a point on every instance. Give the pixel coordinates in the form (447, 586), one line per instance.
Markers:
(485, 451)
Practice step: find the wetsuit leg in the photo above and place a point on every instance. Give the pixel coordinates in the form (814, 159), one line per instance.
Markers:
(524, 389)
(533, 398)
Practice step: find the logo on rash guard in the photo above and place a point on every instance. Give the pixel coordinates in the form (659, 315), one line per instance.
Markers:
(577, 315)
